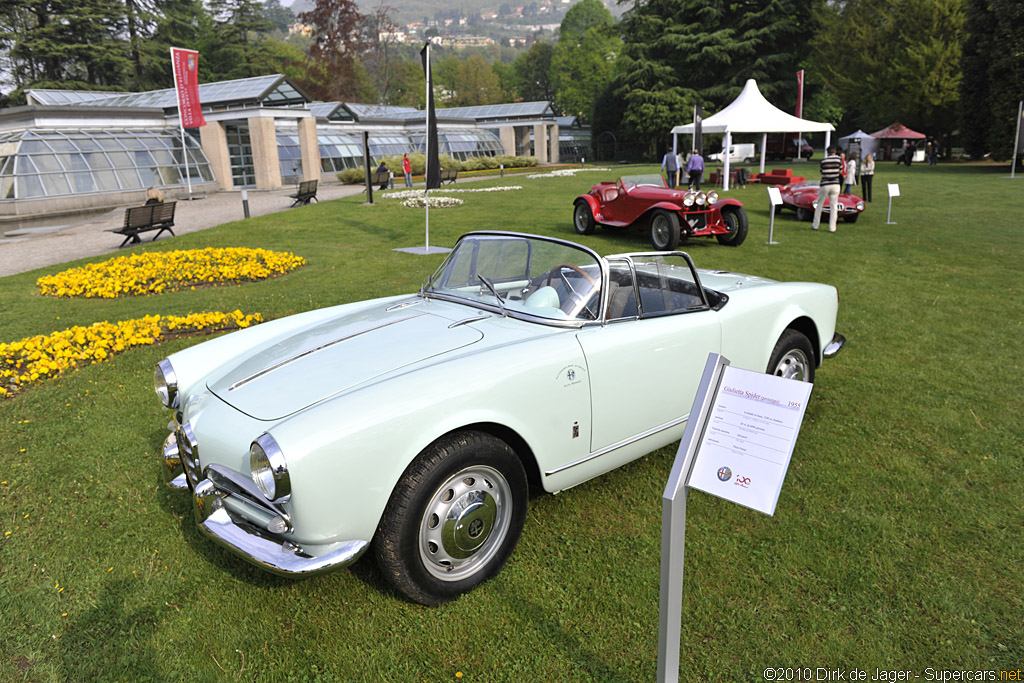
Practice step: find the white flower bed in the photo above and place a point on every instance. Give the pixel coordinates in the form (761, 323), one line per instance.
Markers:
(409, 194)
(435, 202)
(566, 172)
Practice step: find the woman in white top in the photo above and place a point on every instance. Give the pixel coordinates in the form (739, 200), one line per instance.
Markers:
(867, 174)
(851, 175)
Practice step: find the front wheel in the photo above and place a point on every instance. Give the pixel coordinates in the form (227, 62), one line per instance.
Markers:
(735, 218)
(851, 218)
(664, 230)
(793, 357)
(803, 214)
(453, 519)
(583, 218)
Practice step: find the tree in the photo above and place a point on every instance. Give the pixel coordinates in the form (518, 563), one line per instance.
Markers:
(277, 14)
(532, 73)
(893, 60)
(463, 83)
(583, 60)
(993, 76)
(339, 40)
(380, 29)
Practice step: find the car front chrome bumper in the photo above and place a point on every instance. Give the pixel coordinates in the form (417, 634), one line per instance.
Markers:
(835, 346)
(230, 510)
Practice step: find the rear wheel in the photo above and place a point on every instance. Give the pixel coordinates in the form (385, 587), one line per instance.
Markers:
(664, 230)
(583, 218)
(735, 218)
(793, 357)
(453, 519)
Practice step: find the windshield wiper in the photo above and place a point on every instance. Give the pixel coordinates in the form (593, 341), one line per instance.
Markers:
(501, 304)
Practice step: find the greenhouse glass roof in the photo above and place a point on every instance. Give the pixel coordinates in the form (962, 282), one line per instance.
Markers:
(502, 111)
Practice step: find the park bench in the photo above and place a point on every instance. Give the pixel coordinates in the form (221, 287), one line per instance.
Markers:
(449, 175)
(139, 219)
(305, 194)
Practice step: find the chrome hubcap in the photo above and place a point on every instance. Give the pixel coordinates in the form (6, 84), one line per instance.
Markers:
(794, 365)
(464, 523)
(660, 231)
(581, 218)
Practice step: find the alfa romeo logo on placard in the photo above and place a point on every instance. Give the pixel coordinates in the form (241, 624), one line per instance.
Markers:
(724, 473)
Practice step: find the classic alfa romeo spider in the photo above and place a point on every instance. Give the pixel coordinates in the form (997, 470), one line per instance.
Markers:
(671, 216)
(413, 426)
(802, 197)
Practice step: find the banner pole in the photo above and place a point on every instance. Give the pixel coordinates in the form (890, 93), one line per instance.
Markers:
(426, 168)
(1016, 143)
(181, 123)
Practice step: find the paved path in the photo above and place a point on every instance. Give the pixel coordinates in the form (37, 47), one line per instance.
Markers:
(88, 238)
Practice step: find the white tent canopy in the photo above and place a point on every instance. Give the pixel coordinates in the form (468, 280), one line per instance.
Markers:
(868, 143)
(750, 112)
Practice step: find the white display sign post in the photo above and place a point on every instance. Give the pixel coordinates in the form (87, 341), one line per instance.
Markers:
(894, 191)
(775, 197)
(737, 445)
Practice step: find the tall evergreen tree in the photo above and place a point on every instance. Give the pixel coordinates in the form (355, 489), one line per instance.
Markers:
(584, 58)
(240, 28)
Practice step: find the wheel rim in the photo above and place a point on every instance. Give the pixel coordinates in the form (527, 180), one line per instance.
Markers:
(465, 523)
(731, 222)
(794, 365)
(581, 218)
(659, 230)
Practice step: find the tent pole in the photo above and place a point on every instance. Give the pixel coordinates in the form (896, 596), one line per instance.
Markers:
(764, 146)
(725, 155)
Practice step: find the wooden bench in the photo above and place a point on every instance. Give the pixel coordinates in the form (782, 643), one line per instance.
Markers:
(381, 179)
(449, 175)
(139, 219)
(305, 194)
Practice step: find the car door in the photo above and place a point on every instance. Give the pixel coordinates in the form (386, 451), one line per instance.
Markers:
(645, 363)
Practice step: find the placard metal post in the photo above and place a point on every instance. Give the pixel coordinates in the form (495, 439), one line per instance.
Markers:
(894, 191)
(673, 523)
(775, 198)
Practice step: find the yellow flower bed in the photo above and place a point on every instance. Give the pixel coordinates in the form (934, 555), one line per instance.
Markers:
(168, 271)
(34, 359)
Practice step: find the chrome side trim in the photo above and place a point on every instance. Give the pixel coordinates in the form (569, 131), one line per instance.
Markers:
(621, 444)
(235, 484)
(466, 321)
(835, 346)
(297, 356)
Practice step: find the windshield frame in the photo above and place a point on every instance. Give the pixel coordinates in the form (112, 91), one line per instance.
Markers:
(427, 293)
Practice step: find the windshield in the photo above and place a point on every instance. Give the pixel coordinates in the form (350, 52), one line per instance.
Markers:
(652, 179)
(521, 276)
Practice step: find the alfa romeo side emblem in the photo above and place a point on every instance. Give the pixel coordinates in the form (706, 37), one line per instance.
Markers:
(724, 473)
(571, 375)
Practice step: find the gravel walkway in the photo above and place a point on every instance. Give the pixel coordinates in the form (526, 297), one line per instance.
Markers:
(23, 252)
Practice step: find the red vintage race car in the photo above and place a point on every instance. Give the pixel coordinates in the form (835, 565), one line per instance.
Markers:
(671, 216)
(801, 197)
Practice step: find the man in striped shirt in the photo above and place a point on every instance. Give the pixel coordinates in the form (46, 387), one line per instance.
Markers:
(831, 171)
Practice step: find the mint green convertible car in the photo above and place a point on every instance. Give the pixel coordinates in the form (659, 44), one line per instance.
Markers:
(413, 426)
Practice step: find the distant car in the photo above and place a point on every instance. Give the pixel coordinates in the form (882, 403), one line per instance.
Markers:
(671, 216)
(742, 152)
(801, 197)
(413, 426)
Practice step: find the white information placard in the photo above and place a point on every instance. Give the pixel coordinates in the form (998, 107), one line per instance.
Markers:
(745, 450)
(894, 189)
(774, 195)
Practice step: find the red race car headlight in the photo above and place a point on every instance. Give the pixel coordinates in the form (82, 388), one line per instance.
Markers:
(701, 199)
(688, 199)
(712, 196)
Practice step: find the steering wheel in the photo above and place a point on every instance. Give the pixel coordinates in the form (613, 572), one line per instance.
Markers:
(570, 266)
(574, 295)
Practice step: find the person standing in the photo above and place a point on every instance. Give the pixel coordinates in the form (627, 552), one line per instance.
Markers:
(831, 172)
(407, 170)
(670, 165)
(867, 174)
(851, 176)
(695, 169)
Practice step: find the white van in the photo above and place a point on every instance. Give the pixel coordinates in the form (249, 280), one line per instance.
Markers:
(740, 152)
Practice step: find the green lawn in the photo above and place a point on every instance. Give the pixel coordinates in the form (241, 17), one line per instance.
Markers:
(897, 542)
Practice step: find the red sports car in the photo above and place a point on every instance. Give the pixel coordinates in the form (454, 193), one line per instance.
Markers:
(801, 197)
(647, 203)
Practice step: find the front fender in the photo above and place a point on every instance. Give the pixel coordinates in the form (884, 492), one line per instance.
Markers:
(728, 201)
(595, 206)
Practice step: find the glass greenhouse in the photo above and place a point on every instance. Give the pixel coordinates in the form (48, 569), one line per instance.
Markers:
(41, 163)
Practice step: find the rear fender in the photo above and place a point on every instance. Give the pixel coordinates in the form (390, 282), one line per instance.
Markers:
(595, 206)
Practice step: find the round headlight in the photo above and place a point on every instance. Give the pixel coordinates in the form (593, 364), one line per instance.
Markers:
(688, 199)
(269, 469)
(860, 206)
(165, 383)
(701, 198)
(712, 196)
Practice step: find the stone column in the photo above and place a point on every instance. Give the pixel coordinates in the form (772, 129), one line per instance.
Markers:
(540, 143)
(310, 148)
(508, 139)
(215, 145)
(553, 149)
(266, 163)
(522, 140)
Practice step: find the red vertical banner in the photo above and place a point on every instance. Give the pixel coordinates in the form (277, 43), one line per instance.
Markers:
(800, 94)
(186, 83)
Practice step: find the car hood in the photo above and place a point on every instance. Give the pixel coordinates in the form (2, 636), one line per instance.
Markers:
(292, 373)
